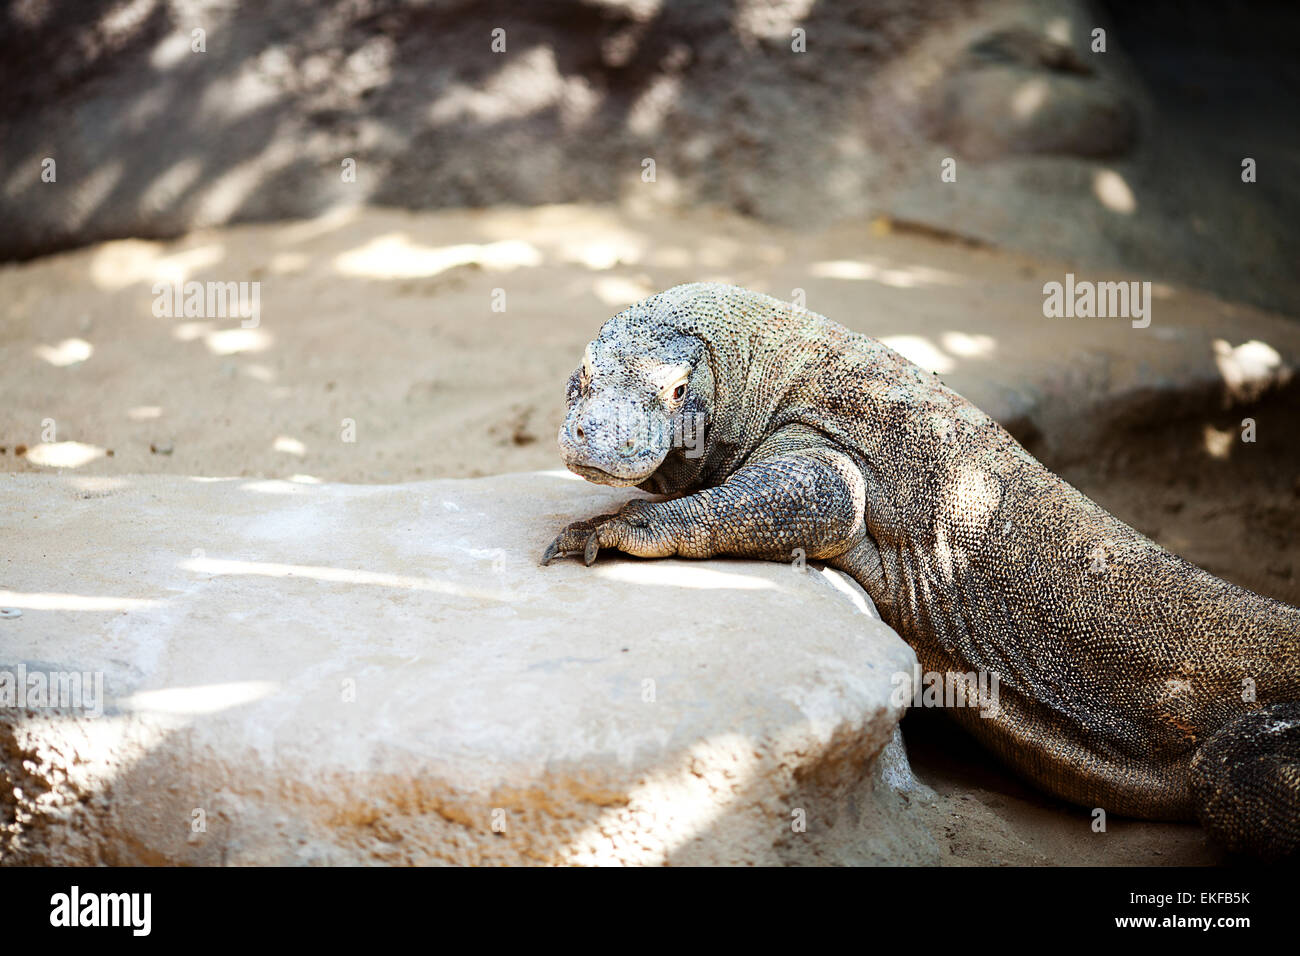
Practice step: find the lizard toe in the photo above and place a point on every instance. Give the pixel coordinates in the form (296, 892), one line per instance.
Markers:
(612, 533)
(573, 538)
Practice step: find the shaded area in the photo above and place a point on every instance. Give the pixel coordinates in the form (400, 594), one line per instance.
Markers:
(1129, 158)
(1191, 483)
(256, 127)
(984, 812)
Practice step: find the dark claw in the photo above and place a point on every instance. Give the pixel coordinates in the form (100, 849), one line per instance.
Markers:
(592, 549)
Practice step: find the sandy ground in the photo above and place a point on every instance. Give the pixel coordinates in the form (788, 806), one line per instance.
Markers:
(378, 357)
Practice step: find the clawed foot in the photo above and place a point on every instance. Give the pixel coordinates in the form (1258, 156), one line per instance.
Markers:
(602, 531)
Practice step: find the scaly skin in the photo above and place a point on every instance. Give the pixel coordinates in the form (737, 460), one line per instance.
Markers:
(1125, 673)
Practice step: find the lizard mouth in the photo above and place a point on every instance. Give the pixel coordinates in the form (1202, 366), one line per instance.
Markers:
(602, 477)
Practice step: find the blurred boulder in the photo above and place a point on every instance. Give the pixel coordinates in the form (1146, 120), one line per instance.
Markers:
(1018, 91)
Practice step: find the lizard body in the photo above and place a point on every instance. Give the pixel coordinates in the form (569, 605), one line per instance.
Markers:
(1129, 679)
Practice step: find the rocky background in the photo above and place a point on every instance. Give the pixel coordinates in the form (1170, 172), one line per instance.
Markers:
(1125, 158)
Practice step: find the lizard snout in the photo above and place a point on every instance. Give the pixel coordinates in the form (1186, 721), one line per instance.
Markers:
(614, 441)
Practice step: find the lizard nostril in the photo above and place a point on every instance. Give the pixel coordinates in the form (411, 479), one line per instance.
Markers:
(579, 432)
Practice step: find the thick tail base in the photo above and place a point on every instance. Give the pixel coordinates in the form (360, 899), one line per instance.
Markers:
(1246, 783)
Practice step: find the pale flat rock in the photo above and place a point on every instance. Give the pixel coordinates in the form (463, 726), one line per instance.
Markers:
(300, 673)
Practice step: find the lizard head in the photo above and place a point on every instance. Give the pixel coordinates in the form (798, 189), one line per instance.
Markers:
(638, 406)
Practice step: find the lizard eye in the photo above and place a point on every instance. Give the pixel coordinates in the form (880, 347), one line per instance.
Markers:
(679, 392)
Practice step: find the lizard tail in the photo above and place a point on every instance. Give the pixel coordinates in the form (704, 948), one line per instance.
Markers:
(1245, 782)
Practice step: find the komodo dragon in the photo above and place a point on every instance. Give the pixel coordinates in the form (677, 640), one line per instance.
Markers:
(1130, 680)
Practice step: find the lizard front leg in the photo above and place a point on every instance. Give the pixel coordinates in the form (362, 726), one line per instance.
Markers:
(811, 498)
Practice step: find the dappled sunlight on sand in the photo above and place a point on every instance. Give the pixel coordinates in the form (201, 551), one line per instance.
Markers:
(68, 352)
(120, 264)
(879, 269)
(1250, 369)
(604, 253)
(230, 341)
(967, 346)
(919, 349)
(941, 357)
(395, 257)
(189, 331)
(64, 454)
(619, 293)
